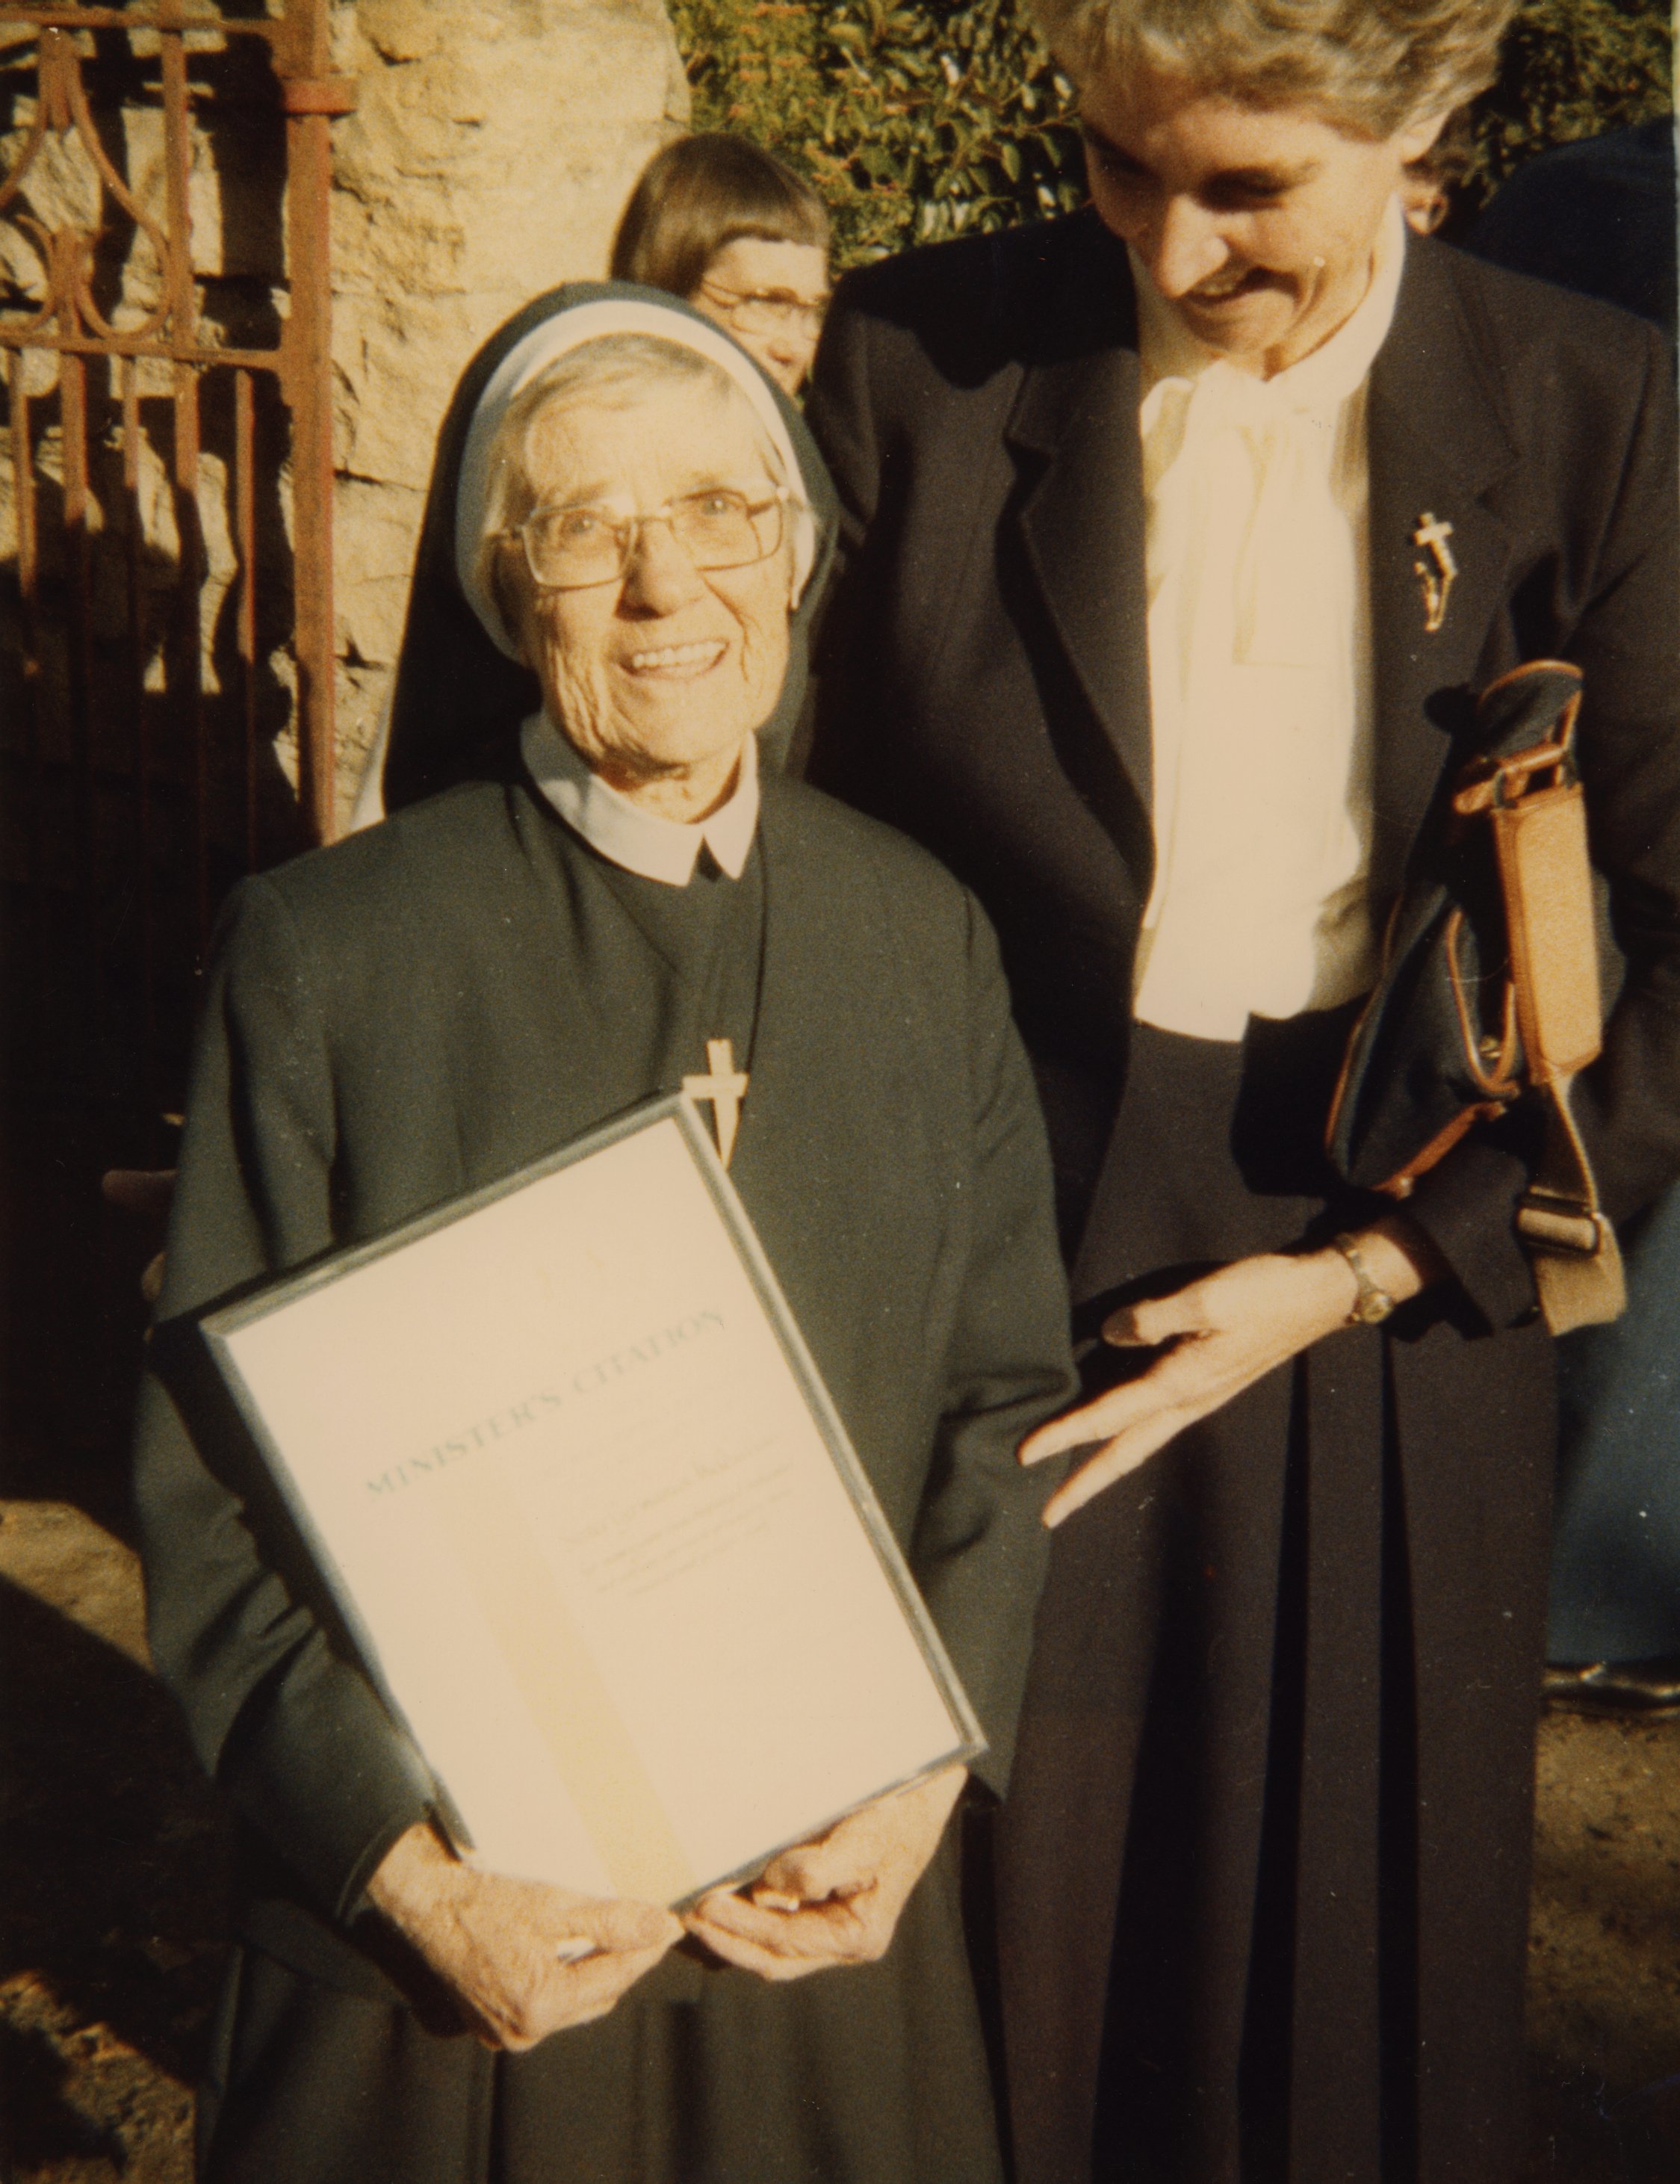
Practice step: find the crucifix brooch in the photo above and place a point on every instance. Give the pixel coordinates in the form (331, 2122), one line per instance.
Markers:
(725, 1087)
(1435, 567)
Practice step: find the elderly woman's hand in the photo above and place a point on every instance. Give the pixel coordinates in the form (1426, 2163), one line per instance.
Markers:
(523, 1959)
(1226, 1332)
(837, 1901)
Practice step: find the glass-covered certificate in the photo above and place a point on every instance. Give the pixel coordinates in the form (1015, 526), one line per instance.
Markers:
(568, 1468)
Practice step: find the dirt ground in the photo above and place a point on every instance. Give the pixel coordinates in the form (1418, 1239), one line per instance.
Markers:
(1604, 1994)
(115, 1881)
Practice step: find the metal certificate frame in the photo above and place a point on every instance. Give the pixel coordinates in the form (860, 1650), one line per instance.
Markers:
(219, 1325)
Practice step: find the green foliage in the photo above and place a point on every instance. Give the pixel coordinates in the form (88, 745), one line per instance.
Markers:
(922, 119)
(1570, 69)
(915, 122)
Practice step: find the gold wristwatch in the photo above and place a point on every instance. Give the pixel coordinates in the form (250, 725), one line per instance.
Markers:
(1373, 1304)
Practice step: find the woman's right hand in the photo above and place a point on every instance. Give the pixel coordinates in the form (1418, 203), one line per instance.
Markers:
(512, 1953)
(1217, 1336)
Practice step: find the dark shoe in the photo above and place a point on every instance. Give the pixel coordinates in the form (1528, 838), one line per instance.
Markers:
(1615, 1686)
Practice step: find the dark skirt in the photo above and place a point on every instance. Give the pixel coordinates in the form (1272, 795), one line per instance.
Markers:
(1262, 1871)
(872, 2073)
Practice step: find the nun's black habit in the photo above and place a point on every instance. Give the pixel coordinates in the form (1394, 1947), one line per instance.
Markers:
(402, 1018)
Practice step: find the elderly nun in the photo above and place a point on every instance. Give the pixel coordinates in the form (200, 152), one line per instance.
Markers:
(611, 885)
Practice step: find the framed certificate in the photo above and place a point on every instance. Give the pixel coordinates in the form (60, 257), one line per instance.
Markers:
(568, 1468)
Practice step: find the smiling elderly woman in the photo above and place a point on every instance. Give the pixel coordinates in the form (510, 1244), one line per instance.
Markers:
(432, 1004)
(640, 554)
(1257, 493)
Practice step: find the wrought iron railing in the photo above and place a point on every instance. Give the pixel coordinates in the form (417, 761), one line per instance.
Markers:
(77, 359)
(166, 615)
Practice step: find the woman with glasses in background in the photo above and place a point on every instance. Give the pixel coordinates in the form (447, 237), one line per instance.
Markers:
(721, 222)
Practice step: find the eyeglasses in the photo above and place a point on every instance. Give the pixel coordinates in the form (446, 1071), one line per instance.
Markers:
(567, 550)
(767, 310)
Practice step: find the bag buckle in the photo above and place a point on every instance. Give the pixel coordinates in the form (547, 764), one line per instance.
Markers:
(1557, 1221)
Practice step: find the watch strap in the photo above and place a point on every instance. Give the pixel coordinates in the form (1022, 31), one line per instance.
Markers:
(1373, 1303)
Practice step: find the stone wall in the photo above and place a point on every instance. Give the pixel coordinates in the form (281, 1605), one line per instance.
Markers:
(492, 148)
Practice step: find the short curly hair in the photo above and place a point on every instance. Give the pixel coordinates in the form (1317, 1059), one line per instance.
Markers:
(1369, 67)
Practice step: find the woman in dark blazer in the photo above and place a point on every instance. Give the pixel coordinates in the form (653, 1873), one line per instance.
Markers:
(1263, 1873)
(1599, 216)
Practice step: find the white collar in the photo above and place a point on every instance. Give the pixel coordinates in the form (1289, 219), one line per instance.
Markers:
(639, 841)
(1322, 379)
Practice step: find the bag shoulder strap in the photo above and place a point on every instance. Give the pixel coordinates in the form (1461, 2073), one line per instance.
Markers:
(1530, 792)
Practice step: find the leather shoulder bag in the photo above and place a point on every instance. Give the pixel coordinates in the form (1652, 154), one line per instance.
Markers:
(1490, 992)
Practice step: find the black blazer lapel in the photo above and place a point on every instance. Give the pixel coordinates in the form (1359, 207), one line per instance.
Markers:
(1439, 443)
(1075, 422)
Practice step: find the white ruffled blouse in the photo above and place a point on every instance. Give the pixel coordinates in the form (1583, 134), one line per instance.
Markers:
(1257, 493)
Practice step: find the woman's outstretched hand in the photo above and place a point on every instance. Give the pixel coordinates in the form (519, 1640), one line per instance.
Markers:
(1222, 1333)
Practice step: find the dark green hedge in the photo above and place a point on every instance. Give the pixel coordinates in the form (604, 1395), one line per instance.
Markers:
(917, 121)
(1572, 68)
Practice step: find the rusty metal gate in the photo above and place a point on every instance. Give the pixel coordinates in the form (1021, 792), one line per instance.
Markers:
(166, 623)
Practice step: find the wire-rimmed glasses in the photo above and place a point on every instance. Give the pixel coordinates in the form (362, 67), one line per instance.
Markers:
(568, 549)
(767, 310)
